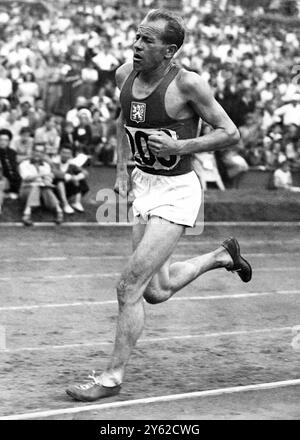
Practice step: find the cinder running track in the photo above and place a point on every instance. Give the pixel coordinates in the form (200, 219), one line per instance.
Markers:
(220, 349)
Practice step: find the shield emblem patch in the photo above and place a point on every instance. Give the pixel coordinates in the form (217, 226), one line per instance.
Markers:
(138, 111)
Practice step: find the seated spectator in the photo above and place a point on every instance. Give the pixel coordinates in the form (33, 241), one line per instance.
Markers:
(83, 132)
(70, 180)
(49, 136)
(37, 185)
(23, 144)
(8, 159)
(282, 178)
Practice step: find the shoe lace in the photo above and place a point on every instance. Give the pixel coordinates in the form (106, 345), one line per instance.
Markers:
(95, 381)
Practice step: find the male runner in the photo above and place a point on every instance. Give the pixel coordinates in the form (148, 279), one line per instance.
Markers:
(161, 106)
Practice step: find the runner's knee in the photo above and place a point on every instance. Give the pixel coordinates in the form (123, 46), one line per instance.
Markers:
(129, 287)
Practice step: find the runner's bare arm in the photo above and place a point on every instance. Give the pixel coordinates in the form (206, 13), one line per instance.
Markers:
(199, 96)
(122, 179)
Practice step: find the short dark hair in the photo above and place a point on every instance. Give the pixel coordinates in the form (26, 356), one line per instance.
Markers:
(174, 32)
(6, 132)
(26, 130)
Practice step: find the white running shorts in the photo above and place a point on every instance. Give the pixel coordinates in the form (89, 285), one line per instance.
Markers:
(173, 198)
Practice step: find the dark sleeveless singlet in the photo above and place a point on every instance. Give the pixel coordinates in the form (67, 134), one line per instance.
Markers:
(142, 116)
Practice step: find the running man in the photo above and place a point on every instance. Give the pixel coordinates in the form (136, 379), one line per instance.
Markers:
(161, 107)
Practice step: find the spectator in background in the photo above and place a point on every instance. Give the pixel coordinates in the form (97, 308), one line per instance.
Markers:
(23, 144)
(2, 188)
(37, 185)
(282, 178)
(4, 112)
(235, 165)
(27, 113)
(6, 86)
(70, 181)
(83, 132)
(28, 89)
(13, 122)
(290, 112)
(106, 63)
(49, 136)
(67, 137)
(8, 159)
(291, 139)
(41, 72)
(72, 114)
(89, 76)
(39, 114)
(97, 129)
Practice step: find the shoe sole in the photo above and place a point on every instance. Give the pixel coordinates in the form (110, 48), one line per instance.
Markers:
(82, 399)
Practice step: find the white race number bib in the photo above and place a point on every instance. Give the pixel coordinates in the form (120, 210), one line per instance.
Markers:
(138, 140)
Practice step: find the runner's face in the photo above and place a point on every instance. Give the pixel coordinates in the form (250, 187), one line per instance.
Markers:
(149, 49)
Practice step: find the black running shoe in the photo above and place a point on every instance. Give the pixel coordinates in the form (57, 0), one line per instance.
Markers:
(240, 265)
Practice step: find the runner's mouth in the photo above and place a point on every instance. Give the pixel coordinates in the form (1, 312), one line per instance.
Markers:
(137, 57)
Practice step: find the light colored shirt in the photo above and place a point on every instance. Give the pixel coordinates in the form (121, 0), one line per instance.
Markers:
(28, 171)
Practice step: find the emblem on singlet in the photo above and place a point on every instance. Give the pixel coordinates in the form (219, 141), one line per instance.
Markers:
(138, 111)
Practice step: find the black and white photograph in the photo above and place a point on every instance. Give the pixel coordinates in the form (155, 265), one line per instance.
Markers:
(149, 213)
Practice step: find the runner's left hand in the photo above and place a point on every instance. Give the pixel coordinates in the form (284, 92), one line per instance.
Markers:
(161, 144)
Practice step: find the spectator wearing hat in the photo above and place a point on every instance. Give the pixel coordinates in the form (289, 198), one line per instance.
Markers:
(37, 185)
(8, 159)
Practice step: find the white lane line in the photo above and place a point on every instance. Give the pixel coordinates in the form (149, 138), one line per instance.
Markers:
(149, 340)
(61, 277)
(151, 400)
(98, 242)
(129, 225)
(175, 299)
(116, 274)
(122, 257)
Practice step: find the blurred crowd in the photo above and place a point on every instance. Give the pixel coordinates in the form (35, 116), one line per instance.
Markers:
(57, 89)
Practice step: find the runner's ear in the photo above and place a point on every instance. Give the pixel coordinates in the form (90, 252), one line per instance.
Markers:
(171, 50)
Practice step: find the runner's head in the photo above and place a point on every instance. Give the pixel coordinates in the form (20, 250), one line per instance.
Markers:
(174, 30)
(158, 38)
